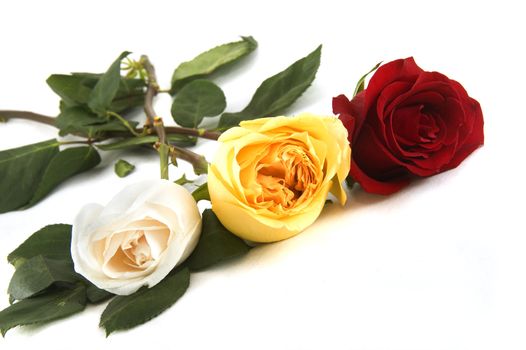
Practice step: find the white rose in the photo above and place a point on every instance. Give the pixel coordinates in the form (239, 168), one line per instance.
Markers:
(138, 238)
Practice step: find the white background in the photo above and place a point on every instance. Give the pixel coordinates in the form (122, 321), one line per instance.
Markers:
(440, 265)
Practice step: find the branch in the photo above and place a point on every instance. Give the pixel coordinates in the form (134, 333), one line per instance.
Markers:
(44, 119)
(153, 118)
(198, 161)
(211, 135)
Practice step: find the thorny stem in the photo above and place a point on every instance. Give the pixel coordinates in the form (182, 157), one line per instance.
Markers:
(205, 134)
(153, 118)
(210, 135)
(198, 162)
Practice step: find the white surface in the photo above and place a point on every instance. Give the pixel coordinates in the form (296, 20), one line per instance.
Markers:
(440, 265)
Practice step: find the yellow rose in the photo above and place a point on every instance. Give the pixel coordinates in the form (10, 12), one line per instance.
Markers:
(271, 176)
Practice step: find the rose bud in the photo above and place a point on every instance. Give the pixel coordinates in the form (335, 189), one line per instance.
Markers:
(138, 238)
(270, 177)
(408, 123)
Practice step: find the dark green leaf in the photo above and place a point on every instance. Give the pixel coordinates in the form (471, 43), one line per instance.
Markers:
(125, 312)
(211, 60)
(78, 120)
(107, 87)
(360, 86)
(44, 308)
(70, 88)
(277, 92)
(64, 165)
(96, 295)
(216, 244)
(201, 193)
(196, 100)
(21, 170)
(178, 140)
(75, 90)
(37, 274)
(52, 242)
(123, 168)
(120, 104)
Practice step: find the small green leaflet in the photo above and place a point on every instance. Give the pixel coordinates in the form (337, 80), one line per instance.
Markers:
(21, 170)
(64, 165)
(360, 86)
(196, 100)
(216, 244)
(208, 62)
(52, 242)
(125, 312)
(37, 274)
(277, 92)
(123, 168)
(44, 308)
(106, 88)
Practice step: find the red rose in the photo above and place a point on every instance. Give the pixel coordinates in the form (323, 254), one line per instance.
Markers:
(408, 123)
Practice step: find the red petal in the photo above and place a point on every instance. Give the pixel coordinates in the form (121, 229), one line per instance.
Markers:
(374, 186)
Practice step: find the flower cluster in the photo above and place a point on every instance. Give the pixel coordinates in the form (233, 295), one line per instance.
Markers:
(269, 180)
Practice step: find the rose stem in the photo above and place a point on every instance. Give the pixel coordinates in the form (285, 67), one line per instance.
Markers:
(153, 119)
(198, 161)
(44, 119)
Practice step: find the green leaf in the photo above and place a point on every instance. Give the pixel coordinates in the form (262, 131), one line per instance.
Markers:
(277, 92)
(123, 168)
(44, 308)
(208, 62)
(51, 242)
(75, 90)
(78, 120)
(64, 165)
(201, 193)
(125, 312)
(107, 87)
(360, 86)
(21, 170)
(37, 274)
(96, 295)
(178, 140)
(70, 88)
(196, 100)
(216, 244)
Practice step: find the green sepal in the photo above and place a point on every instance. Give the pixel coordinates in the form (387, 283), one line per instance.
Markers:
(360, 86)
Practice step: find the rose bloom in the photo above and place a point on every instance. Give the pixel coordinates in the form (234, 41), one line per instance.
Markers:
(408, 123)
(138, 238)
(271, 176)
